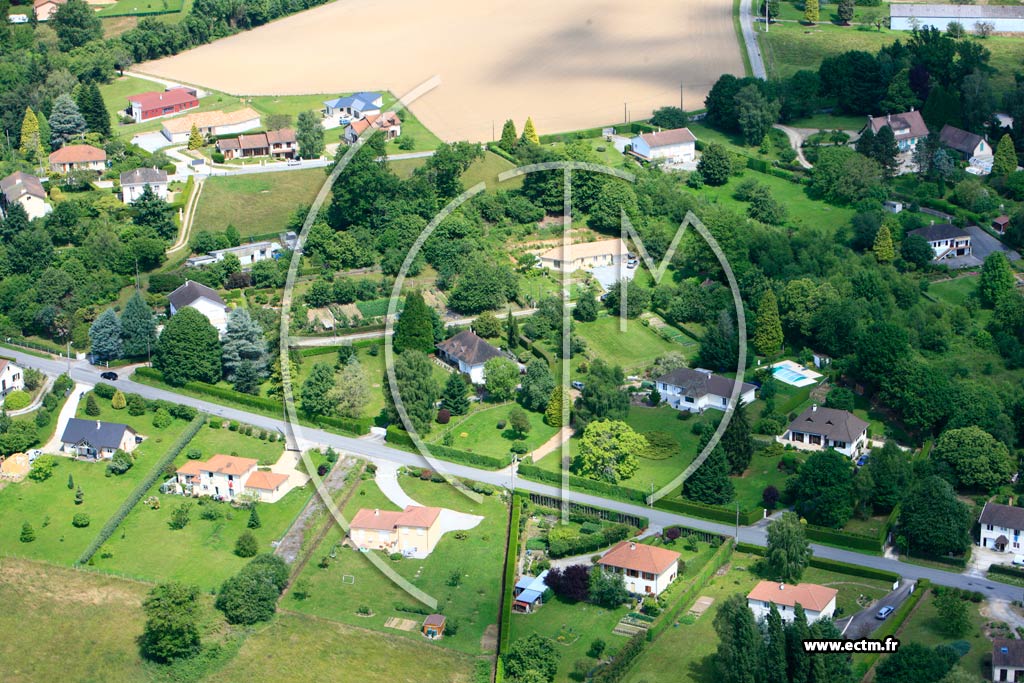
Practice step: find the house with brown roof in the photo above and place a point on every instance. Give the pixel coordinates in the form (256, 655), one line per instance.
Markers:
(156, 104)
(819, 602)
(969, 145)
(908, 128)
(414, 531)
(468, 352)
(388, 123)
(695, 390)
(203, 299)
(211, 124)
(1007, 659)
(275, 143)
(228, 477)
(946, 240)
(677, 145)
(1001, 527)
(817, 429)
(78, 158)
(27, 190)
(645, 569)
(585, 256)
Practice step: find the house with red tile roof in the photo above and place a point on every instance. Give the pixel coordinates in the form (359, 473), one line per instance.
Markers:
(646, 569)
(819, 602)
(414, 531)
(78, 158)
(388, 123)
(153, 105)
(228, 477)
(276, 143)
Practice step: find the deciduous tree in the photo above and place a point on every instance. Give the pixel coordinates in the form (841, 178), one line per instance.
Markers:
(976, 457)
(932, 520)
(500, 378)
(171, 630)
(995, 280)
(188, 349)
(821, 491)
(788, 552)
(715, 164)
(309, 133)
(537, 385)
(352, 391)
(607, 451)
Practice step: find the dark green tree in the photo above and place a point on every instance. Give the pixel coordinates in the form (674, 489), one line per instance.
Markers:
(243, 342)
(310, 135)
(774, 648)
(915, 249)
(138, 327)
(537, 385)
(171, 630)
(788, 551)
(511, 331)
(454, 396)
(534, 653)
(66, 122)
(914, 662)
(316, 390)
(821, 491)
(254, 518)
(719, 348)
(417, 388)
(94, 109)
(76, 23)
(92, 408)
(995, 280)
(755, 114)
(414, 328)
(798, 663)
(977, 459)
(845, 11)
(890, 471)
(737, 442)
(710, 483)
(932, 520)
(153, 212)
(739, 657)
(669, 117)
(1005, 161)
(28, 534)
(586, 307)
(246, 545)
(509, 138)
(105, 336)
(715, 164)
(250, 596)
(188, 349)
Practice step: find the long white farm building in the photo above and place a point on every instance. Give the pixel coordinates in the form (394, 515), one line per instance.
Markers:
(1003, 18)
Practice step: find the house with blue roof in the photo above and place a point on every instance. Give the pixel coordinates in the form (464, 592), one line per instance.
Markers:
(530, 593)
(354, 107)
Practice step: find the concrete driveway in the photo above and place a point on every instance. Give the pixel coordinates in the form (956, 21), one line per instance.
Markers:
(151, 142)
(66, 413)
(861, 624)
(983, 244)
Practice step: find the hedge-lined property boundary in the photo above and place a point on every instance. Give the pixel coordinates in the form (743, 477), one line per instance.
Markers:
(672, 613)
(397, 436)
(136, 495)
(267, 405)
(891, 625)
(511, 560)
(1006, 570)
(713, 512)
(831, 565)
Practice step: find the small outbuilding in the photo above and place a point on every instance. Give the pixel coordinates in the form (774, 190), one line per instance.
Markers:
(433, 626)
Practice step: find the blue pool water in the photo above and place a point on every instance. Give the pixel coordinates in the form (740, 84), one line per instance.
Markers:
(787, 375)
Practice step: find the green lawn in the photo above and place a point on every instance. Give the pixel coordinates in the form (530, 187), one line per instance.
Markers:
(478, 432)
(289, 105)
(763, 472)
(486, 170)
(572, 627)
(634, 349)
(141, 7)
(296, 648)
(116, 94)
(954, 292)
(203, 552)
(213, 101)
(373, 366)
(213, 441)
(474, 603)
(257, 203)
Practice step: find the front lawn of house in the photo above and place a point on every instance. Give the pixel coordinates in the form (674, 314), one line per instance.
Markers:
(478, 432)
(635, 349)
(350, 581)
(210, 442)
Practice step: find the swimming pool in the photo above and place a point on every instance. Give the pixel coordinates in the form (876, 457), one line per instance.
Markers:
(788, 376)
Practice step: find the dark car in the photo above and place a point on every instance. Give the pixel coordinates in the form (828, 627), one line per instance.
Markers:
(109, 376)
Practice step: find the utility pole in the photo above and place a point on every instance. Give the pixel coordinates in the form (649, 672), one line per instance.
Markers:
(766, 21)
(625, 115)
(737, 521)
(681, 107)
(69, 357)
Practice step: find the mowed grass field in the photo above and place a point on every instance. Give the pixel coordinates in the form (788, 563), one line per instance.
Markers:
(255, 203)
(350, 581)
(478, 432)
(141, 7)
(634, 349)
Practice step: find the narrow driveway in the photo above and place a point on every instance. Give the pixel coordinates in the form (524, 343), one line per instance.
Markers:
(750, 39)
(795, 141)
(66, 413)
(451, 520)
(861, 624)
(36, 402)
(378, 453)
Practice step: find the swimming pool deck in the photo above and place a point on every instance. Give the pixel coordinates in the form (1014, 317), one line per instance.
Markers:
(809, 377)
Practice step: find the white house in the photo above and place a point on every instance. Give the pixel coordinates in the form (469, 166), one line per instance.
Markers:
(697, 390)
(646, 569)
(1007, 659)
(817, 429)
(247, 254)
(819, 602)
(78, 158)
(210, 123)
(203, 299)
(468, 353)
(585, 256)
(969, 145)
(946, 240)
(27, 190)
(356, 106)
(12, 377)
(227, 477)
(1001, 527)
(97, 439)
(134, 182)
(1003, 18)
(675, 146)
(387, 123)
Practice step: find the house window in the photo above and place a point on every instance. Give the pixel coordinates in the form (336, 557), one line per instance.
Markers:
(988, 527)
(797, 436)
(688, 399)
(839, 444)
(419, 531)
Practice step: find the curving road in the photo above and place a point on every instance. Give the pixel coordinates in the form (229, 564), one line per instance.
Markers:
(371, 450)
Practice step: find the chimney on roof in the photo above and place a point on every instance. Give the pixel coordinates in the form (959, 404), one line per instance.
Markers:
(814, 407)
(97, 424)
(376, 512)
(632, 546)
(782, 586)
(888, 118)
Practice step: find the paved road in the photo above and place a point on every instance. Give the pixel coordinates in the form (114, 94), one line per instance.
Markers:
(376, 451)
(750, 39)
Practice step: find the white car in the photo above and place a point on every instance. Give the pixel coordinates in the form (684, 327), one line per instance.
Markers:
(18, 18)
(1018, 560)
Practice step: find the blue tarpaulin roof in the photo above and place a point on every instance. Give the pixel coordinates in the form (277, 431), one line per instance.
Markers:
(528, 596)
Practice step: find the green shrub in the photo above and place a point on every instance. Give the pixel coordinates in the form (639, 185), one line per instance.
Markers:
(162, 419)
(80, 520)
(246, 545)
(104, 390)
(16, 400)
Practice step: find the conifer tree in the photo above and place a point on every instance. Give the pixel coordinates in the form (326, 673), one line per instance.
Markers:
(996, 278)
(508, 136)
(71, 483)
(798, 664)
(710, 483)
(811, 11)
(195, 138)
(511, 331)
(94, 111)
(845, 11)
(883, 247)
(1005, 161)
(30, 146)
(66, 121)
(530, 133)
(415, 328)
(736, 441)
(28, 534)
(740, 644)
(138, 327)
(118, 402)
(79, 496)
(454, 395)
(254, 518)
(105, 336)
(553, 413)
(768, 325)
(775, 648)
(92, 408)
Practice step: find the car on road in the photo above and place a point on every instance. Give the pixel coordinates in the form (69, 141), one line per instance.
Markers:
(884, 613)
(109, 376)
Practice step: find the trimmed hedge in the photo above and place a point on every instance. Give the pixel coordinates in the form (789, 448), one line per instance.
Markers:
(844, 539)
(397, 436)
(1006, 570)
(511, 561)
(347, 424)
(672, 612)
(600, 488)
(136, 495)
(959, 562)
(714, 513)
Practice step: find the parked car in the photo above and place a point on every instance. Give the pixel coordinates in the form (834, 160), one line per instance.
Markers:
(1018, 560)
(885, 612)
(577, 385)
(33, 454)
(109, 376)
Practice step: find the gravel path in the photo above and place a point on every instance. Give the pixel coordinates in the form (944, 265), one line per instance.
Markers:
(289, 546)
